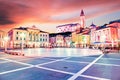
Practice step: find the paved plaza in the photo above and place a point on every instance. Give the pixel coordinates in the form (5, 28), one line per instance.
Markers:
(97, 67)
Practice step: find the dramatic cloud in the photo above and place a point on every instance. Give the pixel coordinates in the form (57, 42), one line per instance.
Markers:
(14, 13)
(4, 18)
(10, 12)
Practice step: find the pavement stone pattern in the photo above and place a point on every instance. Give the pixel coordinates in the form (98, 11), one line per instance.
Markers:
(98, 67)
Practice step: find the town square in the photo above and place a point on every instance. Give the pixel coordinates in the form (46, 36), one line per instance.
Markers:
(59, 40)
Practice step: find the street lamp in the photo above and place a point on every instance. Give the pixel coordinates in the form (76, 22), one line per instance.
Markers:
(85, 41)
(102, 40)
(6, 39)
(112, 43)
(22, 35)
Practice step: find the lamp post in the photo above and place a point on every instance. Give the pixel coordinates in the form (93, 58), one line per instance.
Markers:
(102, 40)
(112, 44)
(85, 41)
(119, 46)
(6, 39)
(22, 35)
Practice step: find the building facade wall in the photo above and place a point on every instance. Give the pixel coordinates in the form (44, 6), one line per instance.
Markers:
(52, 41)
(67, 28)
(81, 40)
(44, 39)
(2, 36)
(32, 38)
(119, 34)
(16, 38)
(60, 41)
(105, 36)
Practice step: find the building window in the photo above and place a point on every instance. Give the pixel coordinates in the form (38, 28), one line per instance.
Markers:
(29, 34)
(37, 40)
(16, 32)
(16, 38)
(40, 39)
(43, 39)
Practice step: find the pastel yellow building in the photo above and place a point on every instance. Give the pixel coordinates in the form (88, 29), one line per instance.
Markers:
(33, 37)
(81, 39)
(2, 38)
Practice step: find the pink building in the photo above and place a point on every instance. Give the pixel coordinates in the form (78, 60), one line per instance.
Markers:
(116, 24)
(105, 35)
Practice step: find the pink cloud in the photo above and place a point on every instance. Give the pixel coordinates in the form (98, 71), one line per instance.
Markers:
(53, 11)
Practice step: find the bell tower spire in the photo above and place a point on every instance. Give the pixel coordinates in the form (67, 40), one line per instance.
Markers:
(82, 19)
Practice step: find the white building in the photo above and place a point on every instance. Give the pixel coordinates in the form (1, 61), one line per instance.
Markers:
(73, 26)
(32, 37)
(44, 39)
(67, 27)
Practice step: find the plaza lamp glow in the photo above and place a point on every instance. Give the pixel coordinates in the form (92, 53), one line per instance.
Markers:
(102, 40)
(22, 35)
(85, 41)
(112, 43)
(6, 40)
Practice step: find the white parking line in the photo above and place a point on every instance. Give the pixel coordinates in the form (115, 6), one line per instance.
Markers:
(55, 70)
(76, 61)
(80, 72)
(15, 70)
(15, 59)
(111, 58)
(30, 65)
(49, 62)
(92, 77)
(4, 62)
(50, 58)
(53, 61)
(16, 62)
(84, 69)
(71, 78)
(107, 64)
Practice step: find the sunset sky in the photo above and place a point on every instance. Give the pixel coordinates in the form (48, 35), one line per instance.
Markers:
(47, 14)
